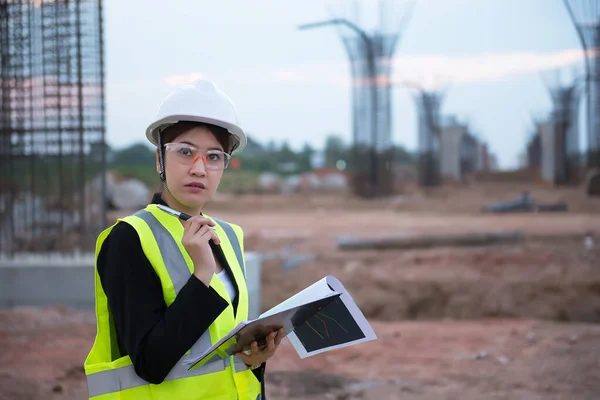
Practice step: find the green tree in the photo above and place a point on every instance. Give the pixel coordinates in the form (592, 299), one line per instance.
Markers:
(403, 156)
(286, 153)
(136, 154)
(304, 158)
(271, 146)
(335, 149)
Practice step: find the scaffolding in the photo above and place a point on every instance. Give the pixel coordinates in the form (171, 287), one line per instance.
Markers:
(52, 126)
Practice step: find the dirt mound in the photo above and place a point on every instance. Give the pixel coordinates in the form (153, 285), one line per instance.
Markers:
(557, 280)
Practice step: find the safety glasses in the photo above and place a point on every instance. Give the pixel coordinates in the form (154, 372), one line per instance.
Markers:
(188, 154)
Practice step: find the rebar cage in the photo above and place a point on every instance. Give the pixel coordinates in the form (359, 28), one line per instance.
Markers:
(52, 126)
(585, 15)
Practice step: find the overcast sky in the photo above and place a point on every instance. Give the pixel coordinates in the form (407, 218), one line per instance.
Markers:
(294, 85)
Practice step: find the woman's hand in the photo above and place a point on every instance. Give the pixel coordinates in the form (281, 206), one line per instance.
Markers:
(257, 356)
(197, 231)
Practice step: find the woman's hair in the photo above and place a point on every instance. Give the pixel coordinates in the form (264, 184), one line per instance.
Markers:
(172, 131)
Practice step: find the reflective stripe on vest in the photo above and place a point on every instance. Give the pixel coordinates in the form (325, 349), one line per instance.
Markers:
(174, 261)
(126, 378)
(233, 239)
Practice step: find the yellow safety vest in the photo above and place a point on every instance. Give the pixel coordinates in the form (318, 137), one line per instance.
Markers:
(219, 379)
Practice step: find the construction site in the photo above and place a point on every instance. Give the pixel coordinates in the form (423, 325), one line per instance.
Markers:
(479, 283)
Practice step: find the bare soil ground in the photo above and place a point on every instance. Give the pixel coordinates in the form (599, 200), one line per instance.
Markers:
(496, 322)
(42, 351)
(554, 274)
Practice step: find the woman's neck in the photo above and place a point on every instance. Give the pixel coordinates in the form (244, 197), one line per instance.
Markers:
(173, 203)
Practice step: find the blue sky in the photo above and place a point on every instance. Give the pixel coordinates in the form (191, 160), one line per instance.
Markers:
(294, 85)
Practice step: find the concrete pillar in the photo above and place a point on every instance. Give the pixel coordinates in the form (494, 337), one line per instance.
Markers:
(253, 273)
(450, 154)
(548, 151)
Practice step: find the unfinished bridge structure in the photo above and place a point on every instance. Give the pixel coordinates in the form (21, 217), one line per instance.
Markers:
(370, 53)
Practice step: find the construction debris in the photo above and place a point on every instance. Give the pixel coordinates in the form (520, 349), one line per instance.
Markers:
(416, 242)
(122, 193)
(128, 195)
(524, 203)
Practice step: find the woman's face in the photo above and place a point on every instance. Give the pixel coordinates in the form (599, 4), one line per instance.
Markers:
(193, 175)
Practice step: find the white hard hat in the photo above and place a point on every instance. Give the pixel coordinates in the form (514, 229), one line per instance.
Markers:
(200, 101)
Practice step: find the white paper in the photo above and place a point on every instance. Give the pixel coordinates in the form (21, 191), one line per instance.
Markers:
(317, 290)
(358, 316)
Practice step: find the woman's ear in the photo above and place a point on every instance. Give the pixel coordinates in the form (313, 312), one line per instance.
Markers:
(157, 162)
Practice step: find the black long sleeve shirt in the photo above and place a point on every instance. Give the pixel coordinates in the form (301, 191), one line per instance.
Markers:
(153, 335)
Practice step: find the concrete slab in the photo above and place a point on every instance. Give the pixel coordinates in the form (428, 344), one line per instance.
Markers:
(43, 285)
(39, 281)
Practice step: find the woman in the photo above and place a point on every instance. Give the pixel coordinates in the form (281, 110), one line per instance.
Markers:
(167, 290)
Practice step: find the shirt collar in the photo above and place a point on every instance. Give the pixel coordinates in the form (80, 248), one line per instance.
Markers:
(157, 199)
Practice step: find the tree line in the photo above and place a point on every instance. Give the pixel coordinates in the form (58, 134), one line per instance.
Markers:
(273, 157)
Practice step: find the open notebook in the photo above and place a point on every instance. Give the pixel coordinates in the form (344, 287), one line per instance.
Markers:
(320, 318)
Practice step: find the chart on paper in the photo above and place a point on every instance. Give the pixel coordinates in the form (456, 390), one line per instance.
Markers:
(332, 326)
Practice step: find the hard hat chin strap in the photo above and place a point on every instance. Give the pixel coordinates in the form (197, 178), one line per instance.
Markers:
(161, 163)
(161, 160)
